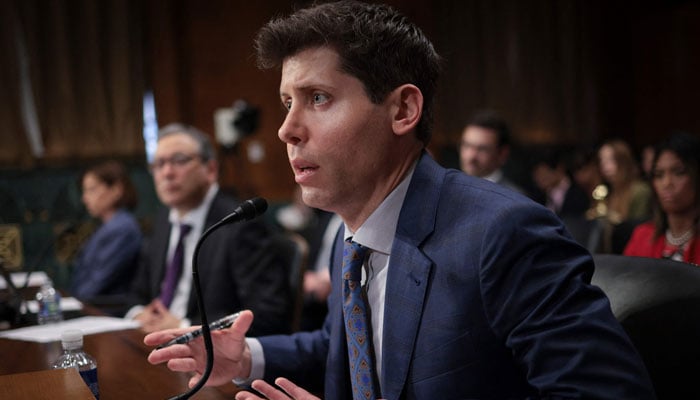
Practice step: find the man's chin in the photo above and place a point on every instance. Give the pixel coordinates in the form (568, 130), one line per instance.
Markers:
(314, 198)
(473, 173)
(172, 202)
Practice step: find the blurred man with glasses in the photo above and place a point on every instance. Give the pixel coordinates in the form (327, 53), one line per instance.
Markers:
(485, 148)
(236, 270)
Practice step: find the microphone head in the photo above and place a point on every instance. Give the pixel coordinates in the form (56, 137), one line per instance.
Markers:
(252, 208)
(247, 210)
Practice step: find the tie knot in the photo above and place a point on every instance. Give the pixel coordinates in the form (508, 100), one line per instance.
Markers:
(353, 257)
(184, 230)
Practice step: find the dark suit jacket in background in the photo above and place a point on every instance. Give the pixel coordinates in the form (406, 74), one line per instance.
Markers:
(487, 297)
(236, 271)
(576, 202)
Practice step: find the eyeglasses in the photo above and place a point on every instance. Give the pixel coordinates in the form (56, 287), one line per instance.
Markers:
(177, 160)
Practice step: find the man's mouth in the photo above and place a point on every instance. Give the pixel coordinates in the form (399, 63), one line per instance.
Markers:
(301, 166)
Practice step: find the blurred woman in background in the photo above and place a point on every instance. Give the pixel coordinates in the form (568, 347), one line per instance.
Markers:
(106, 263)
(629, 197)
(675, 178)
(625, 198)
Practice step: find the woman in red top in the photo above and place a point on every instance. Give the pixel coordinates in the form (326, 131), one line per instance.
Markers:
(675, 178)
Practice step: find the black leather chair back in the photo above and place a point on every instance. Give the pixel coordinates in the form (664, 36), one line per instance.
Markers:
(657, 302)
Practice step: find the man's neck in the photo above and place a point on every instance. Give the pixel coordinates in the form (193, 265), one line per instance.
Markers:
(355, 219)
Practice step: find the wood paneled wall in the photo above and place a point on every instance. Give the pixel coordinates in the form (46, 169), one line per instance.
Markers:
(572, 71)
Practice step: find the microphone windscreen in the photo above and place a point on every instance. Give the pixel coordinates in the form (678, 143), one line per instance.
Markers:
(247, 210)
(259, 204)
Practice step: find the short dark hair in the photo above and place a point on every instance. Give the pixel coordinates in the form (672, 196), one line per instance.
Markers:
(112, 173)
(376, 44)
(206, 149)
(490, 119)
(552, 156)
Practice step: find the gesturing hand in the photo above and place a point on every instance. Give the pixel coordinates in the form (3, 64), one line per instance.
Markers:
(231, 353)
(290, 391)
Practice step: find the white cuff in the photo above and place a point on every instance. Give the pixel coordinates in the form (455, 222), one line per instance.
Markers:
(133, 311)
(257, 363)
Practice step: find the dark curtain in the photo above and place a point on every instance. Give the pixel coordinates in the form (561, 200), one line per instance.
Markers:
(534, 61)
(74, 67)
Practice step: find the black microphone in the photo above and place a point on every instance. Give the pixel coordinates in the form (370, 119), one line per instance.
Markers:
(247, 210)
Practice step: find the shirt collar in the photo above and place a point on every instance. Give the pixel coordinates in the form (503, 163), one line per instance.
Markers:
(495, 176)
(378, 231)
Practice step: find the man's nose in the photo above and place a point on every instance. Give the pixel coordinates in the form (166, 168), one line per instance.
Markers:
(292, 130)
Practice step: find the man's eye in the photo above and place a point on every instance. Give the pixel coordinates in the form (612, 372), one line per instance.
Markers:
(680, 171)
(320, 98)
(287, 104)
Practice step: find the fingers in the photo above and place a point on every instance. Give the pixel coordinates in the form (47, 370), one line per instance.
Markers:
(156, 338)
(159, 307)
(193, 381)
(268, 390)
(241, 325)
(293, 390)
(233, 358)
(247, 396)
(156, 303)
(237, 330)
(169, 353)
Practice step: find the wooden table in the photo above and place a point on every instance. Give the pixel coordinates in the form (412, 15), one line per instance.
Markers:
(122, 368)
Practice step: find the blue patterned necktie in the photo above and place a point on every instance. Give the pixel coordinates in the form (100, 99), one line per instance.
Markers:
(174, 269)
(356, 323)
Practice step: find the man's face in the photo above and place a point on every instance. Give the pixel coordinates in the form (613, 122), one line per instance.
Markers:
(339, 143)
(479, 152)
(181, 177)
(545, 177)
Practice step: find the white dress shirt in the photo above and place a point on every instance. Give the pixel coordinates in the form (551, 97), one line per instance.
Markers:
(377, 233)
(196, 219)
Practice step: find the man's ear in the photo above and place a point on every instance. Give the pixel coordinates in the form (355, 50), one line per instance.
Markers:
(407, 107)
(212, 167)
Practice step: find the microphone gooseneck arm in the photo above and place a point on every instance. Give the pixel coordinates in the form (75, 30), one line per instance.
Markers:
(248, 210)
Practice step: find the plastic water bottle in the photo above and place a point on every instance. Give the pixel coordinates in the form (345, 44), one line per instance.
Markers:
(49, 304)
(74, 357)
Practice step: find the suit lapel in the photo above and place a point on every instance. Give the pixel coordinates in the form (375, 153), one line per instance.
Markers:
(217, 211)
(408, 275)
(160, 240)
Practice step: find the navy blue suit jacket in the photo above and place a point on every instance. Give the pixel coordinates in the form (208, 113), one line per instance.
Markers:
(487, 297)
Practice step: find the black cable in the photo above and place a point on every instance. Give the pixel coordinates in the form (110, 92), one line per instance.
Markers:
(246, 211)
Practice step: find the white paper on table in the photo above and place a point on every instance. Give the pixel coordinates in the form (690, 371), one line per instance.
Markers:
(36, 278)
(52, 332)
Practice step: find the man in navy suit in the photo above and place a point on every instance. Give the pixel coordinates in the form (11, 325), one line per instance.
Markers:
(474, 290)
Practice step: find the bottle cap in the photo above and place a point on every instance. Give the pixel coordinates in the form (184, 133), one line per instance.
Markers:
(72, 339)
